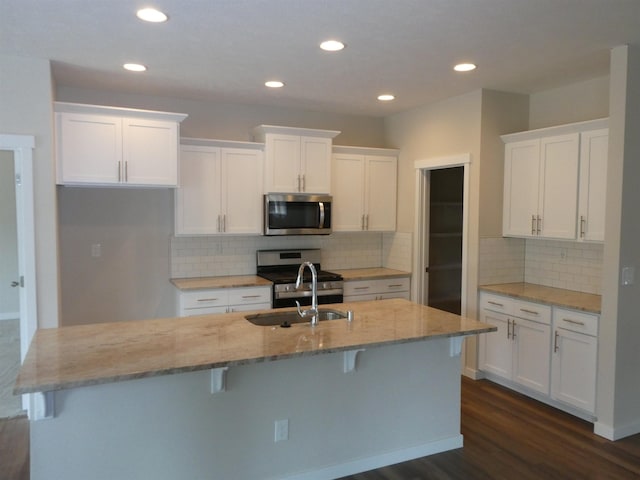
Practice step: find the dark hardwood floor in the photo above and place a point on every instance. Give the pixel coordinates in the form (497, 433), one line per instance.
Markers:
(506, 436)
(14, 448)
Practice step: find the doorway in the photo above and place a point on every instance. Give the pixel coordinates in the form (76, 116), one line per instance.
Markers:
(444, 233)
(448, 177)
(10, 405)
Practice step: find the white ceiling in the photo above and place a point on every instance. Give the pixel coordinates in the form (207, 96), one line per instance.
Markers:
(225, 49)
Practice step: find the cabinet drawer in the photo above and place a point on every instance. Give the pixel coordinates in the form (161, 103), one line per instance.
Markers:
(191, 312)
(359, 287)
(532, 311)
(204, 298)
(389, 285)
(496, 303)
(576, 321)
(246, 296)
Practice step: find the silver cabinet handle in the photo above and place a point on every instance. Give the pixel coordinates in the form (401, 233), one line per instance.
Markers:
(490, 302)
(224, 222)
(119, 171)
(361, 288)
(126, 172)
(394, 285)
(533, 224)
(555, 342)
(218, 223)
(299, 183)
(575, 322)
(304, 183)
(251, 296)
(362, 222)
(207, 299)
(15, 284)
(539, 225)
(513, 329)
(583, 224)
(532, 312)
(508, 329)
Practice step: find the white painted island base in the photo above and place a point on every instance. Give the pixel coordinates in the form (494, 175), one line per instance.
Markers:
(401, 402)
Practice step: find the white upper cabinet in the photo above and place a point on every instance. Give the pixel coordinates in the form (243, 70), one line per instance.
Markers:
(116, 146)
(220, 188)
(296, 159)
(544, 176)
(364, 189)
(594, 147)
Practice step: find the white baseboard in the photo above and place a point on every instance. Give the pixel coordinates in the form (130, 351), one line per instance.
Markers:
(616, 433)
(9, 316)
(378, 461)
(473, 373)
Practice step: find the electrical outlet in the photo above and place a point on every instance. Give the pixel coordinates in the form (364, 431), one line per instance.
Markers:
(281, 430)
(96, 250)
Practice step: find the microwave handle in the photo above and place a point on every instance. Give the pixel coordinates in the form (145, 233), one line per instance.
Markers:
(321, 205)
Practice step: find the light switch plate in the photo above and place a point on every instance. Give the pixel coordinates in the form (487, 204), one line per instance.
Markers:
(628, 276)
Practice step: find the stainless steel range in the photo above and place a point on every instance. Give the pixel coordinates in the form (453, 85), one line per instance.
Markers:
(281, 267)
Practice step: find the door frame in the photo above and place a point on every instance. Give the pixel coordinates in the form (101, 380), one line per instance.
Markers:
(420, 239)
(22, 147)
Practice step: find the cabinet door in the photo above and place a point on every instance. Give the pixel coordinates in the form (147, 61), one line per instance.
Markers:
(150, 152)
(593, 184)
(347, 181)
(197, 200)
(558, 199)
(531, 354)
(89, 149)
(242, 191)
(282, 163)
(521, 186)
(381, 190)
(496, 348)
(574, 364)
(315, 164)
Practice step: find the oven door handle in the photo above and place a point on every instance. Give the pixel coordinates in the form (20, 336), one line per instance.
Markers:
(321, 207)
(307, 293)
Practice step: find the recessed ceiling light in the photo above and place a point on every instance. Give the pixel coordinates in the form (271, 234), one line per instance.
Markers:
(134, 67)
(151, 15)
(274, 84)
(464, 67)
(387, 97)
(332, 45)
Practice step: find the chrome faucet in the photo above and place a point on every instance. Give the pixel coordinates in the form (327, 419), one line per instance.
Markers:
(313, 311)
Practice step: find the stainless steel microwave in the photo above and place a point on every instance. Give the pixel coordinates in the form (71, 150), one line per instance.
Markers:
(297, 214)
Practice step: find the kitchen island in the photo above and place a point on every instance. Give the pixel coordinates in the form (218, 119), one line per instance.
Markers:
(200, 397)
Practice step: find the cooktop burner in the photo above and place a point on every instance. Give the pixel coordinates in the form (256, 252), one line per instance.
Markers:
(281, 266)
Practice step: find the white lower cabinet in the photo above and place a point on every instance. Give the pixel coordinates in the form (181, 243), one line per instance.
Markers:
(574, 362)
(559, 369)
(378, 289)
(223, 300)
(519, 350)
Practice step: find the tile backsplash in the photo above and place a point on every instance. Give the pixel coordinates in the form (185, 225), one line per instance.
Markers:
(554, 263)
(236, 255)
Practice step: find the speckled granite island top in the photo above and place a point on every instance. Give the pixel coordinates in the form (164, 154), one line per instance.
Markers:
(371, 273)
(83, 355)
(587, 302)
(234, 281)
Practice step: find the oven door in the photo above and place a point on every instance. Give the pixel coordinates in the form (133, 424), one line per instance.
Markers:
(305, 301)
(297, 214)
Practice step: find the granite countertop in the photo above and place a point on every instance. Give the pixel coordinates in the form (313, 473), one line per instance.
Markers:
(371, 273)
(587, 302)
(205, 283)
(82, 355)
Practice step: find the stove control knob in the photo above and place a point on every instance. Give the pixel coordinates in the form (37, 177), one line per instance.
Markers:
(326, 286)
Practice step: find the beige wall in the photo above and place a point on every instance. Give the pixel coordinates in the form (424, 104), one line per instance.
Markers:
(576, 102)
(133, 226)
(26, 99)
(501, 113)
(450, 127)
(618, 399)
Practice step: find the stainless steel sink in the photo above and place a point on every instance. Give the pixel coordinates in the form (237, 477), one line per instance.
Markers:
(286, 319)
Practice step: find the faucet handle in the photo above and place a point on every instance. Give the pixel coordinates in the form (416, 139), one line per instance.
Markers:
(307, 312)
